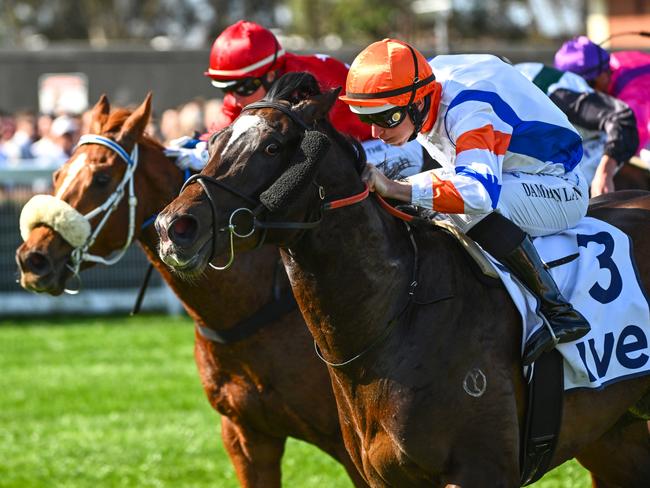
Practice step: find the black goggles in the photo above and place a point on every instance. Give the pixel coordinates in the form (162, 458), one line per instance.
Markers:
(245, 87)
(387, 119)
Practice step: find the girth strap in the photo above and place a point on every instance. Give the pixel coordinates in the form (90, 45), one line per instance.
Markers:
(543, 416)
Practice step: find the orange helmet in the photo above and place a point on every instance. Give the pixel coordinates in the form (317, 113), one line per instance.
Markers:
(243, 50)
(387, 74)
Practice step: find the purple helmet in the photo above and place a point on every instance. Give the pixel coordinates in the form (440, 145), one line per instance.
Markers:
(583, 57)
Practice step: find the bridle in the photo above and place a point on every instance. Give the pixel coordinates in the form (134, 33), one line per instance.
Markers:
(258, 208)
(80, 254)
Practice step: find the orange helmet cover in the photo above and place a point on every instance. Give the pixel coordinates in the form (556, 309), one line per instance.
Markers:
(384, 73)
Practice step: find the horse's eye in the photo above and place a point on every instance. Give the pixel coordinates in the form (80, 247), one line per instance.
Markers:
(272, 149)
(101, 179)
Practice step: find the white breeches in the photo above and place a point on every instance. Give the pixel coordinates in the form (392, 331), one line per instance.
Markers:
(539, 204)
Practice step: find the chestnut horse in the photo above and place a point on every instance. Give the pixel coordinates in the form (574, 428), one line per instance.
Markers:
(398, 372)
(268, 386)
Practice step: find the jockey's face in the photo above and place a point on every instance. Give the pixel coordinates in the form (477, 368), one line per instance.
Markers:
(399, 135)
(601, 82)
(256, 96)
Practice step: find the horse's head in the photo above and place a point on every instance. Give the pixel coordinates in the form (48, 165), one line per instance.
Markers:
(92, 212)
(259, 184)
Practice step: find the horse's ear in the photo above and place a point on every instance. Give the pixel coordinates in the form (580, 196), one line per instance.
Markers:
(135, 125)
(318, 106)
(99, 115)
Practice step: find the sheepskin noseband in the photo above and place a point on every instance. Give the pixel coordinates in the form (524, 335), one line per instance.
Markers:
(57, 214)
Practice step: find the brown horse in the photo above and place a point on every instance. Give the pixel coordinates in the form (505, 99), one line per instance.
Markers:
(268, 386)
(632, 176)
(398, 372)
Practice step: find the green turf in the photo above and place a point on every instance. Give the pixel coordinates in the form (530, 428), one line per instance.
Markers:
(117, 402)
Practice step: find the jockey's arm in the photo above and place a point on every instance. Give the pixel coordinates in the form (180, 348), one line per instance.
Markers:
(475, 185)
(598, 111)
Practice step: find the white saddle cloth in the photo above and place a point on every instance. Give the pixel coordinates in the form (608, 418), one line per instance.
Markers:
(604, 286)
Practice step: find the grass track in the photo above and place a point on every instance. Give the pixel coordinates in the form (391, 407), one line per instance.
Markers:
(116, 402)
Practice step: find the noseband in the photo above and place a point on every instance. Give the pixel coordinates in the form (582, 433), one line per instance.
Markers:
(258, 207)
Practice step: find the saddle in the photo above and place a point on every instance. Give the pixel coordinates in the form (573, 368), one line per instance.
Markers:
(433, 218)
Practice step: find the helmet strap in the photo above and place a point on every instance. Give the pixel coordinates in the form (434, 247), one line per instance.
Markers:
(418, 116)
(265, 82)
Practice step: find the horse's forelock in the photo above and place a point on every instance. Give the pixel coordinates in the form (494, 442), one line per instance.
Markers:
(293, 87)
(116, 120)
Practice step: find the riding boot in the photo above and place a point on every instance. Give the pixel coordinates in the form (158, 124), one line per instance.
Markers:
(567, 323)
(504, 240)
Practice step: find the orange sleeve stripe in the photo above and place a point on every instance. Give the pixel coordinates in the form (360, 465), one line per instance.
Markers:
(446, 198)
(484, 138)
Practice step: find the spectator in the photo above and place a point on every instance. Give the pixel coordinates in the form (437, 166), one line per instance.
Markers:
(55, 148)
(170, 128)
(211, 112)
(190, 118)
(6, 124)
(19, 145)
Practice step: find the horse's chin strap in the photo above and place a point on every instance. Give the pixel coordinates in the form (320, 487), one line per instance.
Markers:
(80, 254)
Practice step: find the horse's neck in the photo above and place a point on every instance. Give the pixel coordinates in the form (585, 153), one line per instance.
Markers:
(220, 299)
(215, 299)
(351, 276)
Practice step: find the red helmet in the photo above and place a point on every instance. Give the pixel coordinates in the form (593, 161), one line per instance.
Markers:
(243, 50)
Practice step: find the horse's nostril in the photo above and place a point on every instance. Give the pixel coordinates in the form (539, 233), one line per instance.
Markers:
(37, 263)
(183, 230)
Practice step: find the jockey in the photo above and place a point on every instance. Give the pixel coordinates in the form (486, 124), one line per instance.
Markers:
(607, 125)
(246, 59)
(624, 75)
(509, 158)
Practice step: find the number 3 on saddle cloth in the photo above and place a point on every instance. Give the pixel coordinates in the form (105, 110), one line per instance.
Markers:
(602, 283)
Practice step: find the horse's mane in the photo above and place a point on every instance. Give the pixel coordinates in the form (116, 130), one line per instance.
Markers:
(295, 87)
(115, 122)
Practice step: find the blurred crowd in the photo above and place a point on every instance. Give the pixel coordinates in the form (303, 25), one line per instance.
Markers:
(32, 140)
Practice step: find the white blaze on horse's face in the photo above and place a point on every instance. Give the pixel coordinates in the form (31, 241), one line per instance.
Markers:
(73, 169)
(242, 125)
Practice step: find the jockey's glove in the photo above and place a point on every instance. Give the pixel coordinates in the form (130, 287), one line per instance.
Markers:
(189, 153)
